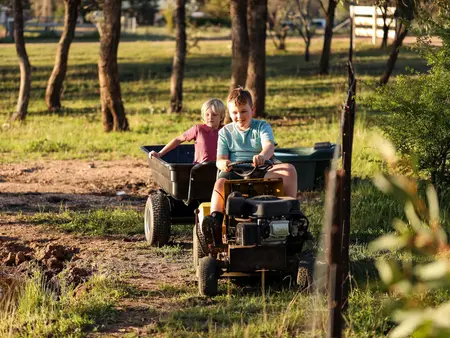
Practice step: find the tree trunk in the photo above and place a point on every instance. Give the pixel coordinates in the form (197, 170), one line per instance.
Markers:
(176, 80)
(25, 67)
(55, 83)
(256, 73)
(384, 41)
(403, 31)
(326, 51)
(405, 13)
(240, 43)
(307, 53)
(113, 112)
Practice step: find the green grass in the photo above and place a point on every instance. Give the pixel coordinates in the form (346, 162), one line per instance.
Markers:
(96, 222)
(37, 311)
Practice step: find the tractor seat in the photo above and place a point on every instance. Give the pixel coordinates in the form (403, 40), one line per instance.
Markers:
(260, 206)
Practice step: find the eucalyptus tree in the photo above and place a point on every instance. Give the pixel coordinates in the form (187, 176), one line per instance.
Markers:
(113, 111)
(304, 10)
(405, 10)
(324, 63)
(256, 72)
(176, 80)
(24, 63)
(240, 43)
(56, 80)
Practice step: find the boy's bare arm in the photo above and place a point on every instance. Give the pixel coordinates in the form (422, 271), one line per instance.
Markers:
(169, 146)
(265, 154)
(222, 163)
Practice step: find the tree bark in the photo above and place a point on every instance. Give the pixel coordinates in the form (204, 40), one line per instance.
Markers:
(56, 80)
(405, 12)
(113, 112)
(384, 11)
(307, 53)
(176, 80)
(326, 50)
(25, 67)
(256, 72)
(394, 54)
(240, 43)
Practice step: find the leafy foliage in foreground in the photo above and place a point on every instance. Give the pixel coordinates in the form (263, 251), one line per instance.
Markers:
(412, 283)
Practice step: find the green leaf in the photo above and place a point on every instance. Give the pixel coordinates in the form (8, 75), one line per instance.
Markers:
(436, 270)
(433, 204)
(401, 226)
(389, 271)
(389, 242)
(441, 316)
(409, 322)
(383, 183)
(411, 214)
(403, 287)
(386, 149)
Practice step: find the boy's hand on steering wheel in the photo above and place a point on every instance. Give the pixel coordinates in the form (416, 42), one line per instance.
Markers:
(258, 160)
(222, 165)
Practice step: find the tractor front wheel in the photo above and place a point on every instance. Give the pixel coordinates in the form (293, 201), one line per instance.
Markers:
(207, 276)
(197, 251)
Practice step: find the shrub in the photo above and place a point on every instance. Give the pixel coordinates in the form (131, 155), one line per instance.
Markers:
(419, 119)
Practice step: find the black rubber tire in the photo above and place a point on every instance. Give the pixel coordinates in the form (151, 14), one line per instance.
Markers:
(157, 219)
(207, 276)
(197, 252)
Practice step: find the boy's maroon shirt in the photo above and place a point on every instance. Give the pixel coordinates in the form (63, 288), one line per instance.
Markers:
(205, 142)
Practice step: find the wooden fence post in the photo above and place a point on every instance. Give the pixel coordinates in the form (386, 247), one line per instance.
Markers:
(334, 240)
(348, 117)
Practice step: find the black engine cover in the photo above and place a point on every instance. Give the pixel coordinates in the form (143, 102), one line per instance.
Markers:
(247, 234)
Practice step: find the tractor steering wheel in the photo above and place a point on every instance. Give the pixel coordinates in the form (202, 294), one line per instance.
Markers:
(246, 168)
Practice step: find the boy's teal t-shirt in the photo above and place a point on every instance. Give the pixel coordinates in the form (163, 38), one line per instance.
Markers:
(243, 145)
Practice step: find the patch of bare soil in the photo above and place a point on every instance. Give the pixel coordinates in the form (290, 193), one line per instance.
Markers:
(81, 185)
(74, 185)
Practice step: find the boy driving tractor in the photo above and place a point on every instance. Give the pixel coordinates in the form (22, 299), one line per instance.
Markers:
(244, 139)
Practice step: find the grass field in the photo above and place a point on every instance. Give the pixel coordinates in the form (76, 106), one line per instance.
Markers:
(302, 107)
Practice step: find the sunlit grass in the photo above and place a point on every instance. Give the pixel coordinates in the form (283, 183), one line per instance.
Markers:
(37, 311)
(95, 222)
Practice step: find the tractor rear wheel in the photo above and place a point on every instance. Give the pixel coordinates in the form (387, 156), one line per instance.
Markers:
(157, 219)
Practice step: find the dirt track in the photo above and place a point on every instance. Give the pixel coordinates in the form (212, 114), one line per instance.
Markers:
(79, 185)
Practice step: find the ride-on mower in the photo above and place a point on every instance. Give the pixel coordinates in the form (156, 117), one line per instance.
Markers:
(262, 230)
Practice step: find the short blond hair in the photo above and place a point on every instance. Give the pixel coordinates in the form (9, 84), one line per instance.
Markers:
(217, 106)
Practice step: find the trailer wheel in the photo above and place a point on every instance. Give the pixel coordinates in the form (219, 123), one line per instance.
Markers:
(197, 251)
(207, 276)
(157, 219)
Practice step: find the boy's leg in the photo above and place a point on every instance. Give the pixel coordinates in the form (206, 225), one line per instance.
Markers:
(217, 198)
(211, 227)
(287, 172)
